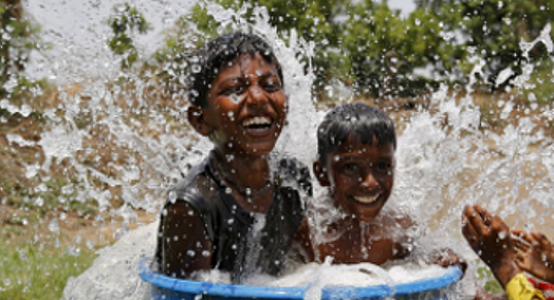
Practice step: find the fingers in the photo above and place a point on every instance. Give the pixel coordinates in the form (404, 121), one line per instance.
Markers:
(523, 262)
(469, 232)
(541, 240)
(522, 240)
(498, 224)
(476, 216)
(528, 238)
(520, 244)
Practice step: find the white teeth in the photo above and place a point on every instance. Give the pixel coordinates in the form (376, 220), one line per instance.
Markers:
(367, 200)
(257, 121)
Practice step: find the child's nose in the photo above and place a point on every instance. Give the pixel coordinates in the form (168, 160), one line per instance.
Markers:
(256, 95)
(369, 182)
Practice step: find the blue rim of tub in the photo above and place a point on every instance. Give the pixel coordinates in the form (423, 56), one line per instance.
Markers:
(453, 275)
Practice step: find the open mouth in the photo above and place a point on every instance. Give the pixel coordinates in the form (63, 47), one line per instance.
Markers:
(257, 124)
(367, 199)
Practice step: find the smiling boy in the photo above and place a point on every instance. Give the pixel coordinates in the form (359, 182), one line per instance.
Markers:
(232, 212)
(356, 145)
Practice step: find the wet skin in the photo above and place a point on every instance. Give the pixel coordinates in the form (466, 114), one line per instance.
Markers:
(245, 114)
(360, 178)
(244, 117)
(246, 107)
(536, 254)
(490, 238)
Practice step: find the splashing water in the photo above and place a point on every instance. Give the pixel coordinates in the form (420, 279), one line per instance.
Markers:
(445, 158)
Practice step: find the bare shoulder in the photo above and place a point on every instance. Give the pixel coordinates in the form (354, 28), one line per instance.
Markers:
(400, 226)
(399, 219)
(179, 209)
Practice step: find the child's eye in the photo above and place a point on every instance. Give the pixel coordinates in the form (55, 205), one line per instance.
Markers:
(236, 90)
(350, 168)
(383, 167)
(271, 86)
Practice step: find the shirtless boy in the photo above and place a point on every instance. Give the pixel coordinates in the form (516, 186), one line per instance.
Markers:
(356, 145)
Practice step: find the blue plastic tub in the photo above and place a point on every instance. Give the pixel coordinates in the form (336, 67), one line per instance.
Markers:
(168, 288)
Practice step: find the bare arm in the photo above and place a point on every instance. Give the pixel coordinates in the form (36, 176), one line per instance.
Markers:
(186, 247)
(303, 238)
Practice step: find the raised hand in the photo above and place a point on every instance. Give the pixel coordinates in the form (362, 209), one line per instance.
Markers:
(537, 254)
(490, 238)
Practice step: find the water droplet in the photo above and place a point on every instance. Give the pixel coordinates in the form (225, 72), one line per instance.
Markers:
(502, 235)
(53, 226)
(172, 196)
(191, 253)
(67, 189)
(235, 98)
(39, 201)
(206, 253)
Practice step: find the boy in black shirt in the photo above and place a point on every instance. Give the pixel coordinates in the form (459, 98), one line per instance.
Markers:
(242, 201)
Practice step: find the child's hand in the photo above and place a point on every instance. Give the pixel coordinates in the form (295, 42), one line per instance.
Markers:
(446, 257)
(490, 238)
(537, 256)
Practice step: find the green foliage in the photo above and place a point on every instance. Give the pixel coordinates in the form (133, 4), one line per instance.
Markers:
(18, 37)
(384, 49)
(540, 86)
(375, 49)
(125, 22)
(491, 284)
(172, 57)
(493, 30)
(366, 44)
(37, 272)
(50, 195)
(317, 21)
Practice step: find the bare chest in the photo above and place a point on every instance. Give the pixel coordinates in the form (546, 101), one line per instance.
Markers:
(351, 249)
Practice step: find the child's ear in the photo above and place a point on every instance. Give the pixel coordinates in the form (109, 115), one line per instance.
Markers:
(321, 174)
(197, 119)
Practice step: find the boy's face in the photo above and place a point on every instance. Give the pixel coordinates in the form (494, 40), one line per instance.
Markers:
(361, 177)
(246, 107)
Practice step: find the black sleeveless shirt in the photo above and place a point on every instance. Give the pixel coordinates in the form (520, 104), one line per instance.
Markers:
(237, 248)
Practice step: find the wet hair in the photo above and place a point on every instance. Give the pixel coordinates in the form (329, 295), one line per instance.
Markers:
(355, 121)
(206, 63)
